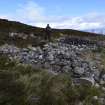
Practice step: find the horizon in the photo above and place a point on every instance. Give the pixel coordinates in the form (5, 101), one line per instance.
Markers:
(65, 14)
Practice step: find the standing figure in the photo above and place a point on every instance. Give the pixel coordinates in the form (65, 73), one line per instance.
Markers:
(48, 32)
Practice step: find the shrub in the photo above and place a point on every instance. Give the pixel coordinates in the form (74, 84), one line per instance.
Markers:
(11, 90)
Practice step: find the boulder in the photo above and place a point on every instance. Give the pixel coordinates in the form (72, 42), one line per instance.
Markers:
(79, 70)
(87, 81)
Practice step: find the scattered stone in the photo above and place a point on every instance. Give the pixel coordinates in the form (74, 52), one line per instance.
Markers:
(63, 55)
(101, 101)
(102, 82)
(87, 80)
(103, 88)
(79, 70)
(97, 85)
(95, 97)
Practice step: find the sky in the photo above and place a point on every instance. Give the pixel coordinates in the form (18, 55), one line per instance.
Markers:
(71, 14)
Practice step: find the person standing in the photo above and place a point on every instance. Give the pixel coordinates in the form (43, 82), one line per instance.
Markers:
(48, 32)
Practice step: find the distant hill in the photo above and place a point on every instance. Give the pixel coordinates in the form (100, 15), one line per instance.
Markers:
(36, 34)
(97, 30)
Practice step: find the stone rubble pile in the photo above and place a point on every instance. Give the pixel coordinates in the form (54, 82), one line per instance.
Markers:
(61, 56)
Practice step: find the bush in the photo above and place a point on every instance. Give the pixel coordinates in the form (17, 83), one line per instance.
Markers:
(11, 90)
(5, 63)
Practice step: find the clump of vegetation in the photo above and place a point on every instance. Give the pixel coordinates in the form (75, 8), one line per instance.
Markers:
(12, 91)
(20, 85)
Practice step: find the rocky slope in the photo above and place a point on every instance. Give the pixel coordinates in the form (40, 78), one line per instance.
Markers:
(66, 54)
(80, 58)
(73, 62)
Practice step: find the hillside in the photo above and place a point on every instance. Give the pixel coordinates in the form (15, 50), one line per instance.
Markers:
(20, 34)
(68, 70)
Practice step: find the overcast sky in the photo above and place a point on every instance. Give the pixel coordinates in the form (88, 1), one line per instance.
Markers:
(71, 14)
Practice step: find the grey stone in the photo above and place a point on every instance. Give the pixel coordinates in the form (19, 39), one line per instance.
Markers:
(63, 55)
(103, 77)
(87, 80)
(103, 88)
(79, 70)
(95, 97)
(101, 101)
(97, 85)
(102, 82)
